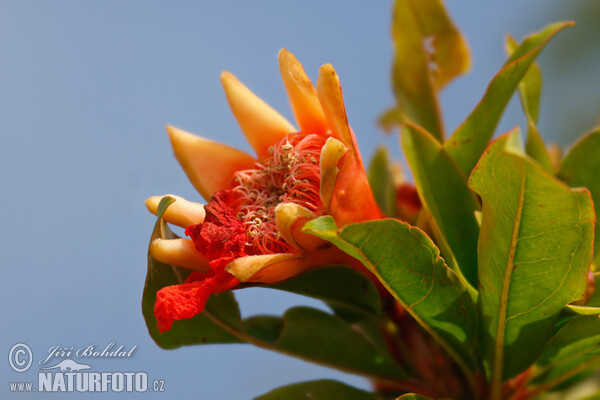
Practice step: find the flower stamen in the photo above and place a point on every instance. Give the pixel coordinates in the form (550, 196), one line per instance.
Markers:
(290, 175)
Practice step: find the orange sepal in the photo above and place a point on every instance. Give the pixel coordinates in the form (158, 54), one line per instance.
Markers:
(209, 165)
(261, 124)
(330, 96)
(302, 94)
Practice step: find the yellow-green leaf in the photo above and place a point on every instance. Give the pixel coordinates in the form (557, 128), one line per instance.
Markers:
(412, 396)
(318, 390)
(413, 84)
(581, 168)
(530, 87)
(530, 91)
(443, 189)
(338, 286)
(536, 148)
(592, 306)
(449, 53)
(574, 350)
(534, 250)
(409, 265)
(381, 180)
(471, 138)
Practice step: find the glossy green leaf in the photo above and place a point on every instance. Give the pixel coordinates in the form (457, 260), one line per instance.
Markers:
(318, 390)
(413, 84)
(573, 350)
(374, 331)
(408, 264)
(581, 168)
(197, 330)
(530, 91)
(581, 336)
(536, 148)
(381, 180)
(534, 252)
(317, 336)
(570, 386)
(443, 189)
(592, 307)
(565, 316)
(265, 328)
(338, 286)
(471, 138)
(530, 87)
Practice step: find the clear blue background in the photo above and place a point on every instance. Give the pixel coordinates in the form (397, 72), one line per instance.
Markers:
(86, 89)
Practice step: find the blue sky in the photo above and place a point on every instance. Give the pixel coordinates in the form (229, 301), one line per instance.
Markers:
(86, 89)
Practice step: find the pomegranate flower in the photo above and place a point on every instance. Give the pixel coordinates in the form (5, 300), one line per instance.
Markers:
(250, 230)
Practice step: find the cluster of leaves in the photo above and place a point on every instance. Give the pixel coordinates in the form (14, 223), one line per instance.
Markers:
(490, 285)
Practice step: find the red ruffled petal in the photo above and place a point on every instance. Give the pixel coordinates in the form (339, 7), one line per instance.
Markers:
(221, 237)
(222, 234)
(184, 301)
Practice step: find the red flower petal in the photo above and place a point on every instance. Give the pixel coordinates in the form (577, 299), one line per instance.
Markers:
(221, 237)
(177, 302)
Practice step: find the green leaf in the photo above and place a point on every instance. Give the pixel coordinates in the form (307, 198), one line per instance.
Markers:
(593, 396)
(565, 316)
(573, 350)
(443, 189)
(266, 328)
(536, 148)
(592, 307)
(381, 180)
(318, 390)
(412, 396)
(530, 91)
(534, 253)
(530, 87)
(197, 330)
(471, 138)
(374, 331)
(572, 385)
(317, 336)
(447, 50)
(390, 119)
(164, 203)
(430, 52)
(339, 286)
(581, 168)
(408, 264)
(413, 84)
